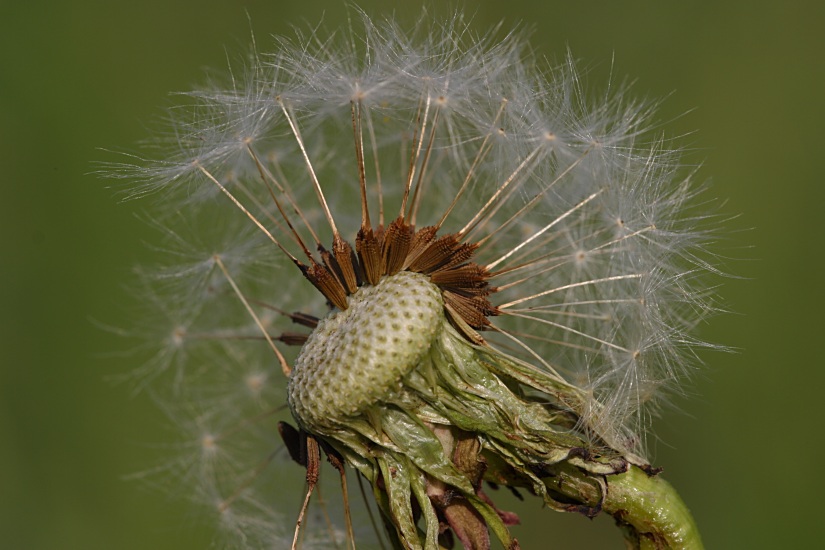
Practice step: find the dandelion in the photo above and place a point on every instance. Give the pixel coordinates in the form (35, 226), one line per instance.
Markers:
(433, 262)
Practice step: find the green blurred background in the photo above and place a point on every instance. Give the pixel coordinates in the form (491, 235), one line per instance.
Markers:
(78, 76)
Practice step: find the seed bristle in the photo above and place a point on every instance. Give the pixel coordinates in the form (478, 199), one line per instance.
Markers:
(327, 284)
(438, 254)
(459, 254)
(471, 276)
(397, 241)
(474, 309)
(445, 260)
(457, 321)
(421, 240)
(368, 248)
(347, 263)
(292, 338)
(304, 319)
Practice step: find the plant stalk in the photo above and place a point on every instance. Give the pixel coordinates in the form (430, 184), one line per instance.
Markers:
(647, 508)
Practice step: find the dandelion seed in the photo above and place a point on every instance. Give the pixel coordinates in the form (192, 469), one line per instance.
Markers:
(445, 265)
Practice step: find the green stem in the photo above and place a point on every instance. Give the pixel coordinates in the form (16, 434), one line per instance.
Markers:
(647, 508)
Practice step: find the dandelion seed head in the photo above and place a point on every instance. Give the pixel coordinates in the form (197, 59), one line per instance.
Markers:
(437, 238)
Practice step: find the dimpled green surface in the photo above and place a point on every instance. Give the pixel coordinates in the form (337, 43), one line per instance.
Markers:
(357, 357)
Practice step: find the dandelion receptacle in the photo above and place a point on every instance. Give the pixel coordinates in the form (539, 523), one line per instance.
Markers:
(448, 264)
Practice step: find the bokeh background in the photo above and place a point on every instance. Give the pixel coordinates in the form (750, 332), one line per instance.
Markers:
(745, 82)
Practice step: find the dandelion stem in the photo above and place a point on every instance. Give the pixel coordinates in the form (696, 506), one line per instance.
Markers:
(647, 508)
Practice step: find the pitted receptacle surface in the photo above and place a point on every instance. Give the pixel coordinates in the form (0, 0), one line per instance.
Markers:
(356, 357)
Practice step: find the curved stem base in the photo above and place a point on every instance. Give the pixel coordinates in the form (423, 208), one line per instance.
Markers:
(647, 508)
